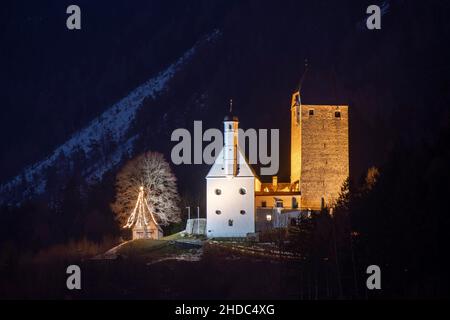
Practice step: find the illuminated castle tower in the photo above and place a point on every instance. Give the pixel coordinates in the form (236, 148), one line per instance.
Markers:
(319, 152)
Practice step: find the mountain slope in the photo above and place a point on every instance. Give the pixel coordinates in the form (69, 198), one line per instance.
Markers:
(101, 145)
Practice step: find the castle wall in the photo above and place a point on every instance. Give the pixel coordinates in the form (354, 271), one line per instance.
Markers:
(324, 154)
(288, 200)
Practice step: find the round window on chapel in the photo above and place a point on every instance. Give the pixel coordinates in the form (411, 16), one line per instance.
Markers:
(242, 191)
(218, 192)
(218, 212)
(242, 212)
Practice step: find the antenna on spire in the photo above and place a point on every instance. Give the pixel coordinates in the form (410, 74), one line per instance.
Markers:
(303, 75)
(231, 106)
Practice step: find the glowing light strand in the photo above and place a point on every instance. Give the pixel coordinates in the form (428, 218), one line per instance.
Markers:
(151, 214)
(138, 216)
(133, 214)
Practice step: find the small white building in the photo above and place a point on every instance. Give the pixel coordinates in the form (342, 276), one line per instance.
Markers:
(150, 231)
(230, 189)
(142, 221)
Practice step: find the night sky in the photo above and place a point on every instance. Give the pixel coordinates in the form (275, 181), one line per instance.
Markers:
(54, 81)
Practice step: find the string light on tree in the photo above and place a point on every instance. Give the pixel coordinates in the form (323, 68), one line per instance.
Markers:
(142, 220)
(149, 178)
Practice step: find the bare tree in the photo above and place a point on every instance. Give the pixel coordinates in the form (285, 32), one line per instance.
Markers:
(152, 172)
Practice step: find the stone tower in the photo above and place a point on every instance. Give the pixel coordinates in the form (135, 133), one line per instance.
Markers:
(319, 152)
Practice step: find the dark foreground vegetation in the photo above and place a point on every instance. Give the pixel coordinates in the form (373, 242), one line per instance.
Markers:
(220, 274)
(395, 218)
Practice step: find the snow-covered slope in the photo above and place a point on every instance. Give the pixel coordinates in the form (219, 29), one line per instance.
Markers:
(111, 128)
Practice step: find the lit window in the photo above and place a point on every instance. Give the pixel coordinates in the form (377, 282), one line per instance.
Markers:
(230, 223)
(242, 191)
(311, 112)
(337, 114)
(269, 217)
(218, 192)
(294, 203)
(218, 212)
(242, 212)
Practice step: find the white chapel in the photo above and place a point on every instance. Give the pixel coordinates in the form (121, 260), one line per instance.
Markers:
(230, 189)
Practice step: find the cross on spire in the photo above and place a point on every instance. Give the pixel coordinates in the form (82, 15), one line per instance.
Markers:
(231, 106)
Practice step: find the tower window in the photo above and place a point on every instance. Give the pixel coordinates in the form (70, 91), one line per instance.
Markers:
(229, 127)
(230, 222)
(218, 192)
(311, 112)
(294, 203)
(218, 212)
(263, 204)
(242, 212)
(242, 191)
(337, 114)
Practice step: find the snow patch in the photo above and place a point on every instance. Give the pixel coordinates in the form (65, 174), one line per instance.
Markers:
(110, 127)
